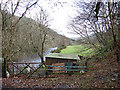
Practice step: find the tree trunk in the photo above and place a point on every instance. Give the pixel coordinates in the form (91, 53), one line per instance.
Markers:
(118, 44)
(41, 56)
(4, 74)
(112, 26)
(42, 60)
(118, 20)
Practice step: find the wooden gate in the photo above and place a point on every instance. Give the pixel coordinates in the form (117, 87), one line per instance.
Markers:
(28, 69)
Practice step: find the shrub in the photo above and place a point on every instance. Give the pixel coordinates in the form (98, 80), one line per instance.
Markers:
(59, 49)
(104, 50)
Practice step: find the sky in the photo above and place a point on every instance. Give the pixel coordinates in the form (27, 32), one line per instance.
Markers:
(60, 15)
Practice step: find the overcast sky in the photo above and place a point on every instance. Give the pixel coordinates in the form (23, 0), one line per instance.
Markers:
(60, 15)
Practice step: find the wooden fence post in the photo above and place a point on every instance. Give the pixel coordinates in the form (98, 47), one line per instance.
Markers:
(4, 75)
(86, 65)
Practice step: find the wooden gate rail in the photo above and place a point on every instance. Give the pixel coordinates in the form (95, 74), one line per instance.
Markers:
(26, 66)
(67, 68)
(46, 68)
(36, 70)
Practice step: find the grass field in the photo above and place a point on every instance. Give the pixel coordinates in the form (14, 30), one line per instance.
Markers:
(83, 50)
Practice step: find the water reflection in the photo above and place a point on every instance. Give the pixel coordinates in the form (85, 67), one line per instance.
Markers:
(35, 57)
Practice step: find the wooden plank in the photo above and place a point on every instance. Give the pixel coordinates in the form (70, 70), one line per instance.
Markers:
(35, 70)
(16, 67)
(65, 70)
(24, 63)
(23, 69)
(69, 66)
(58, 64)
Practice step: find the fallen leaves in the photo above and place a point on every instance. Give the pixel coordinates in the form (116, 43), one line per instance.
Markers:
(99, 76)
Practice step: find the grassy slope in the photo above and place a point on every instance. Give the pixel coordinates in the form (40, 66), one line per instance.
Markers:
(83, 50)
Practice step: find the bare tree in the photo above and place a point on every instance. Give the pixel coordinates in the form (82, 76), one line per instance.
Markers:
(101, 20)
(112, 23)
(83, 23)
(40, 25)
(97, 18)
(8, 10)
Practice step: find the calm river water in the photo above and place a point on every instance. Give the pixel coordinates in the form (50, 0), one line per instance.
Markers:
(35, 57)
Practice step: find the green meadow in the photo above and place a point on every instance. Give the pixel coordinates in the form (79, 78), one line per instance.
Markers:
(83, 50)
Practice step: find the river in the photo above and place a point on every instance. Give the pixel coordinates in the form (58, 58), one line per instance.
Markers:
(46, 53)
(35, 57)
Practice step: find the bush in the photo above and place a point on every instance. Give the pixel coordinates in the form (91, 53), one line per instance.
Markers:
(59, 49)
(104, 50)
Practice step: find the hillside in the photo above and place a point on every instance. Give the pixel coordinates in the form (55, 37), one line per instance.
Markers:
(27, 38)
